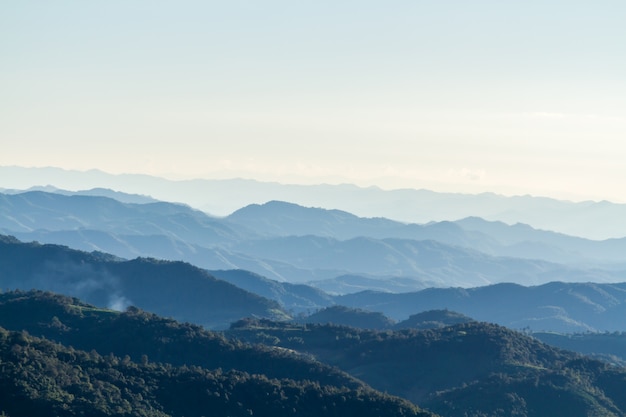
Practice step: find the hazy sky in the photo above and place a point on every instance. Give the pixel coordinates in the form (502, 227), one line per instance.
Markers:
(506, 96)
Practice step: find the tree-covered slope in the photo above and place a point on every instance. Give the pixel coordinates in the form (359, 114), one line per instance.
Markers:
(41, 378)
(137, 333)
(472, 369)
(352, 317)
(433, 319)
(173, 289)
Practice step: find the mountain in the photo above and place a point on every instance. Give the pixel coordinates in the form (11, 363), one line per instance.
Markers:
(434, 263)
(136, 333)
(36, 210)
(139, 364)
(99, 192)
(353, 283)
(177, 232)
(595, 220)
(281, 219)
(433, 319)
(363, 319)
(523, 241)
(556, 306)
(160, 230)
(168, 248)
(172, 289)
(293, 297)
(607, 346)
(351, 317)
(472, 369)
(106, 281)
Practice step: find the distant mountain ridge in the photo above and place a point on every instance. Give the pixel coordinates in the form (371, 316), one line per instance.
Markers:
(596, 220)
(281, 219)
(556, 306)
(297, 297)
(98, 192)
(272, 240)
(35, 210)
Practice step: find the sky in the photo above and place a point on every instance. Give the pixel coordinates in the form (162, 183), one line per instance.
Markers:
(502, 96)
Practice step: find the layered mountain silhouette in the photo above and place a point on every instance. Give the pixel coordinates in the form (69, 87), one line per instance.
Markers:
(36, 210)
(99, 192)
(276, 240)
(331, 301)
(215, 299)
(296, 297)
(596, 220)
(563, 307)
(172, 289)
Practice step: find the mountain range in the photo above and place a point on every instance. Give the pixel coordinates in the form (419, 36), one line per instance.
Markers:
(590, 219)
(556, 306)
(275, 240)
(215, 299)
(303, 259)
(321, 310)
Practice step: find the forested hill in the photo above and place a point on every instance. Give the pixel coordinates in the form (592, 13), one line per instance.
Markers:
(139, 364)
(172, 289)
(137, 333)
(471, 369)
(40, 378)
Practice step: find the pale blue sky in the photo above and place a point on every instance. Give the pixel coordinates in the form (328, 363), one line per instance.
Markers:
(512, 97)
